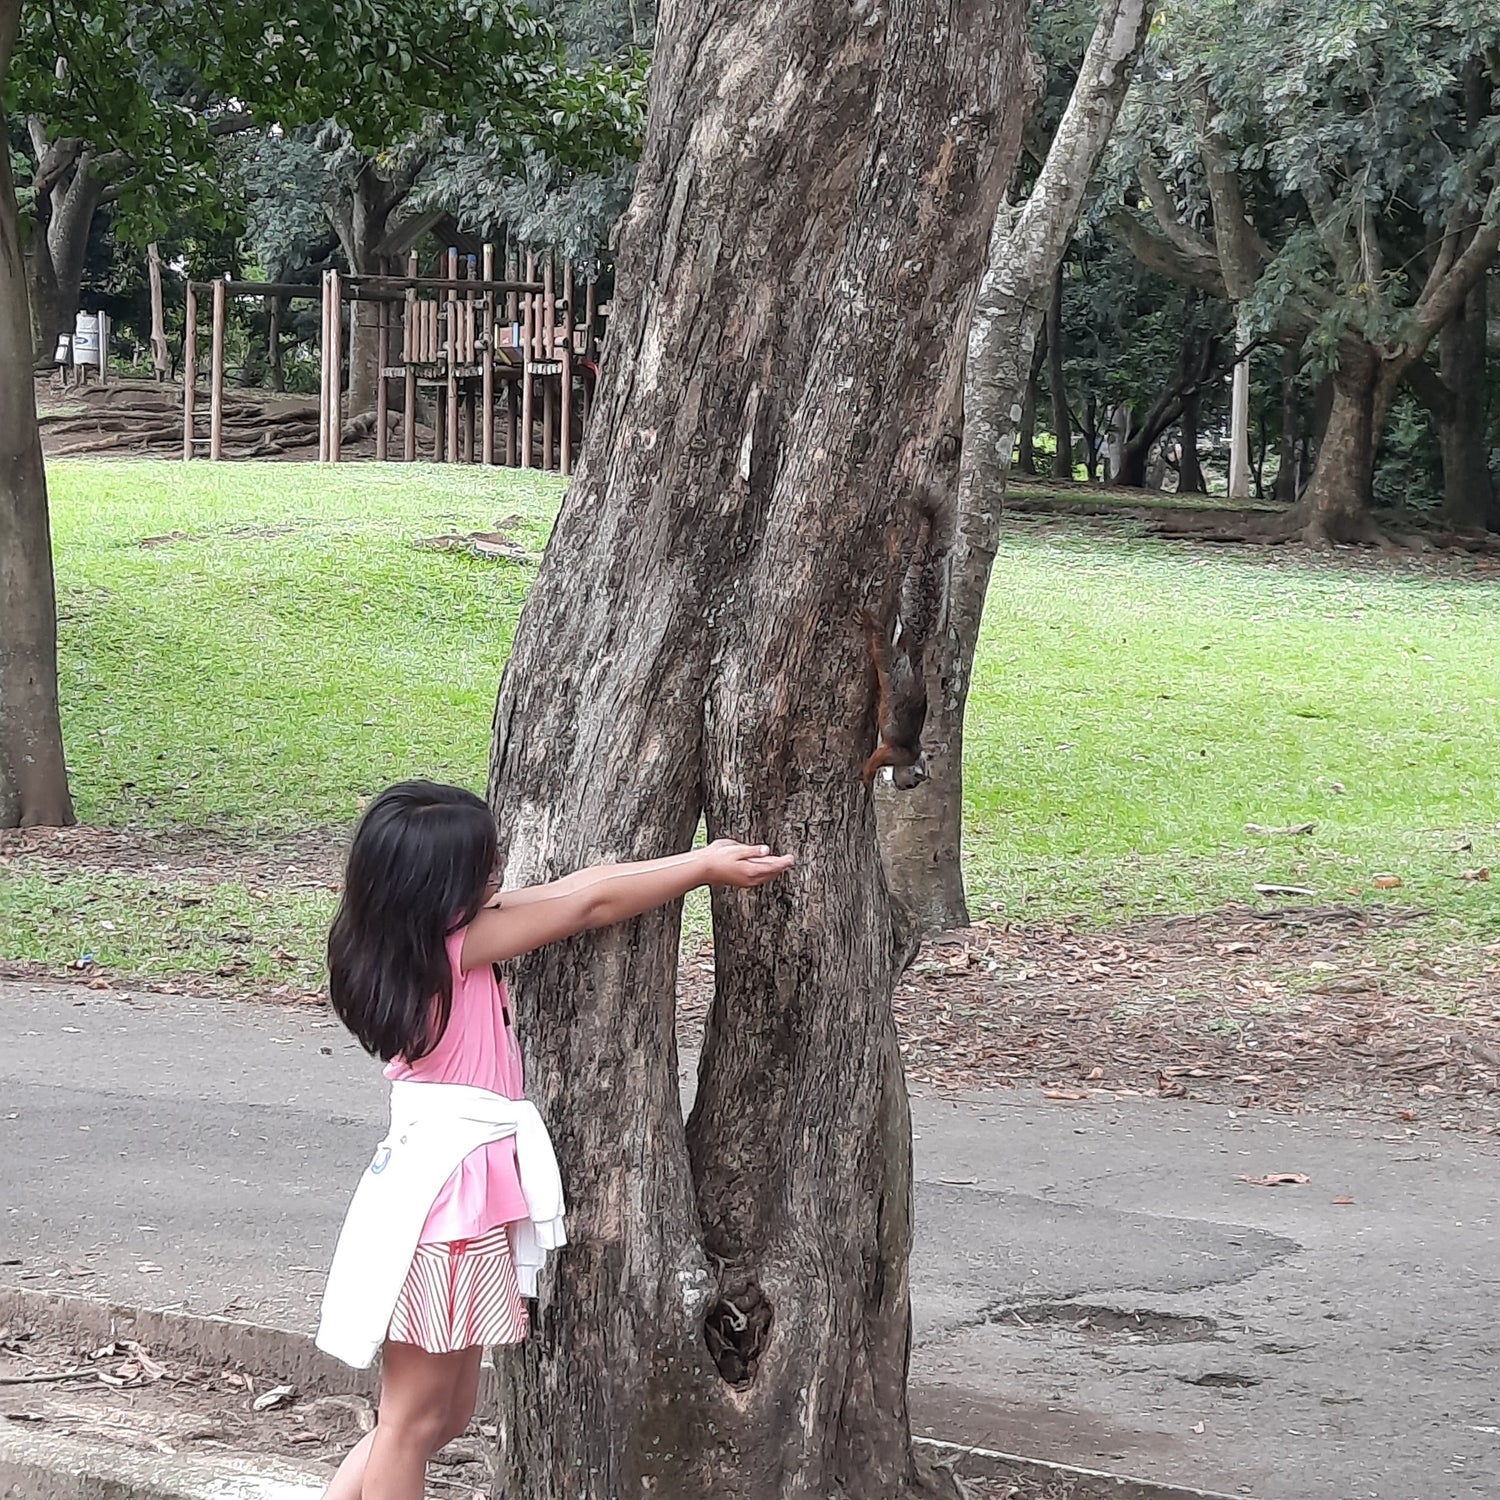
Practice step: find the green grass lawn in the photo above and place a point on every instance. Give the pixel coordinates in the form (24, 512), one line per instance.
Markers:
(279, 649)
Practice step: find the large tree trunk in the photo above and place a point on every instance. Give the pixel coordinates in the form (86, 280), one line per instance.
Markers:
(33, 774)
(1469, 497)
(1335, 506)
(922, 829)
(1062, 420)
(795, 278)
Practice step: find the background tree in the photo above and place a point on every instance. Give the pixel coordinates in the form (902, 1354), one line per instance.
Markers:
(33, 775)
(1331, 169)
(795, 278)
(923, 828)
(101, 76)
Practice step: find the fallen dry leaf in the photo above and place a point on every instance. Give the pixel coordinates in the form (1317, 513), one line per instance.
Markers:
(278, 1395)
(1293, 830)
(1480, 874)
(1066, 1095)
(1342, 1202)
(1095, 1074)
(1386, 882)
(1283, 890)
(1278, 1179)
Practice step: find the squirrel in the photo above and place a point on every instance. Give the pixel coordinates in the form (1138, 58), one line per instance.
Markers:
(900, 656)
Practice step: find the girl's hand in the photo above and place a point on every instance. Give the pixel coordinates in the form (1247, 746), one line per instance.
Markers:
(743, 865)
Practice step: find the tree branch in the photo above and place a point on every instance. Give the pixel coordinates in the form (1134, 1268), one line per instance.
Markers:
(1324, 213)
(1243, 255)
(234, 122)
(1164, 211)
(1157, 253)
(1443, 294)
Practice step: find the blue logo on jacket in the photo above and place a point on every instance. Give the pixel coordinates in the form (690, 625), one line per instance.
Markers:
(381, 1162)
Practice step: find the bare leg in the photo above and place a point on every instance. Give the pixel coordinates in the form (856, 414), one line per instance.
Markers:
(422, 1397)
(350, 1479)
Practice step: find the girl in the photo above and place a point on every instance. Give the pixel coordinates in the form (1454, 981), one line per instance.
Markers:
(411, 965)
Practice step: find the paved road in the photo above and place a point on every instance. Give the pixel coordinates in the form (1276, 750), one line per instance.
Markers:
(1093, 1283)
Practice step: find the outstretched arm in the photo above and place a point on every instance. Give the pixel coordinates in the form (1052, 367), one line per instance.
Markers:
(606, 894)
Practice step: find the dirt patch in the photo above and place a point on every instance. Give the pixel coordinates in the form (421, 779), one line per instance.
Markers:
(302, 861)
(1106, 1324)
(1288, 1009)
(122, 1394)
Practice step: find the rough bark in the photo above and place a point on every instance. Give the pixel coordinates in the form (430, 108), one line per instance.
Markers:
(922, 829)
(1062, 419)
(795, 277)
(1469, 496)
(1335, 506)
(33, 774)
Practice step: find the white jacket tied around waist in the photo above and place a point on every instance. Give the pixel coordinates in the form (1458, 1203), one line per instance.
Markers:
(434, 1126)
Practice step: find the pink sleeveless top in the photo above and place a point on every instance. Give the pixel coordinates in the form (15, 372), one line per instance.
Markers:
(478, 1048)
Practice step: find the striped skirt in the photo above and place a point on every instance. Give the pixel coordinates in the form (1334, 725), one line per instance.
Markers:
(460, 1294)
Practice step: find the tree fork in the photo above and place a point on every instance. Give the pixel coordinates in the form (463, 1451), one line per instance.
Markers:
(794, 280)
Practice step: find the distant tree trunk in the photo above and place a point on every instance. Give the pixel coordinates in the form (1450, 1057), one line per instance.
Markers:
(361, 218)
(273, 342)
(922, 829)
(1062, 420)
(1335, 507)
(1091, 437)
(161, 360)
(33, 773)
(1291, 422)
(1190, 480)
(1196, 364)
(69, 195)
(1469, 497)
(732, 1318)
(1026, 442)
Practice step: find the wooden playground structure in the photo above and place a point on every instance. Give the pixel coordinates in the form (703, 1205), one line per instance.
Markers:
(506, 367)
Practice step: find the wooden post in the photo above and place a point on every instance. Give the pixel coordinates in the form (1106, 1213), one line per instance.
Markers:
(487, 382)
(453, 355)
(1239, 426)
(548, 352)
(323, 342)
(335, 367)
(528, 359)
(382, 358)
(591, 320)
(273, 343)
(409, 341)
(189, 371)
(160, 360)
(216, 377)
(566, 380)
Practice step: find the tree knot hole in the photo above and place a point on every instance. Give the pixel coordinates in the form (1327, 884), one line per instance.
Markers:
(736, 1330)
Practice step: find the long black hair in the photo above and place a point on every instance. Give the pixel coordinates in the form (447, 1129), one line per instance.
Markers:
(421, 860)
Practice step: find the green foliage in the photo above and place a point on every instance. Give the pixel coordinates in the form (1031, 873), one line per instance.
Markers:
(1348, 125)
(149, 86)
